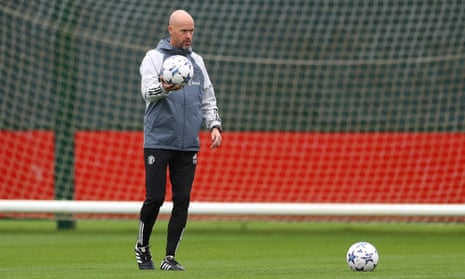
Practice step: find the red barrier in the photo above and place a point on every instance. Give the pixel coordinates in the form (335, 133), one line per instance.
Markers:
(335, 167)
(27, 165)
(109, 166)
(253, 167)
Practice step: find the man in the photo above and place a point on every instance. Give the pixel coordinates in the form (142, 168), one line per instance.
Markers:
(173, 118)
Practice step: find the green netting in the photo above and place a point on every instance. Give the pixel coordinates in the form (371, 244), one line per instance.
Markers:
(276, 65)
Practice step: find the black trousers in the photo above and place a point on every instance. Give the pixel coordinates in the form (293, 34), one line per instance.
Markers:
(181, 166)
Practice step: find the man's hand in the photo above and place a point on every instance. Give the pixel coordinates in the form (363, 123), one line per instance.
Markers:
(216, 137)
(168, 86)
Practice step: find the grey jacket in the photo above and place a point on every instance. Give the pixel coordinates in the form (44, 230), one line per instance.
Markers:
(173, 120)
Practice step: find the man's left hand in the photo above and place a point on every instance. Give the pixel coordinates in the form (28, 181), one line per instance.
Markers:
(215, 135)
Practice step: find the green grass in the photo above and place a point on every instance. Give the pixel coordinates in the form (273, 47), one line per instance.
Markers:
(104, 249)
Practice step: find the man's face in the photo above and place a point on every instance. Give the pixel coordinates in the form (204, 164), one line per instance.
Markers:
(181, 35)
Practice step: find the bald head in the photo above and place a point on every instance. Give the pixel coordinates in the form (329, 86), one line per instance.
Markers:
(180, 17)
(181, 29)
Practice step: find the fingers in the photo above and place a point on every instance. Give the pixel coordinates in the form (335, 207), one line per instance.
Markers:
(169, 86)
(216, 139)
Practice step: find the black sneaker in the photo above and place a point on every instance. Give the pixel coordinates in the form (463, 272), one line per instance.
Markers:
(169, 263)
(143, 257)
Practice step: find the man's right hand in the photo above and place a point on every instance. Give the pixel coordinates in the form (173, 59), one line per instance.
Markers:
(168, 86)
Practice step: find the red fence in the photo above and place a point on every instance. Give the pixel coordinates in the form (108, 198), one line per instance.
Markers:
(252, 167)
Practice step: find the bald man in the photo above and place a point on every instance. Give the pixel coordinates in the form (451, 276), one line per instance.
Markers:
(174, 115)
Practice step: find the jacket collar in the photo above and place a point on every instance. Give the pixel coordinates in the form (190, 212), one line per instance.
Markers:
(165, 46)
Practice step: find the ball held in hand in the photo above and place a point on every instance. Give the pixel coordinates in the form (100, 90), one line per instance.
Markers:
(178, 70)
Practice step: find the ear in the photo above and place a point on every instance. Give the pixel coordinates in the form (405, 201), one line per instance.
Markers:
(170, 29)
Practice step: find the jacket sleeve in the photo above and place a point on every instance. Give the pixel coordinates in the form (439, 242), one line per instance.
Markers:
(209, 106)
(210, 109)
(150, 68)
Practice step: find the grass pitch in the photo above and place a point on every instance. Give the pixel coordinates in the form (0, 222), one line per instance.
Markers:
(104, 249)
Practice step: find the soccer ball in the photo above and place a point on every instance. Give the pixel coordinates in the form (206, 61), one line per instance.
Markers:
(362, 256)
(177, 69)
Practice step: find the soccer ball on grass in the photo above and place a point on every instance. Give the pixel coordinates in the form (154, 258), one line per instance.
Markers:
(177, 69)
(362, 256)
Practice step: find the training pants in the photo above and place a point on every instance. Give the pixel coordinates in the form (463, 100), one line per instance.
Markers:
(181, 166)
